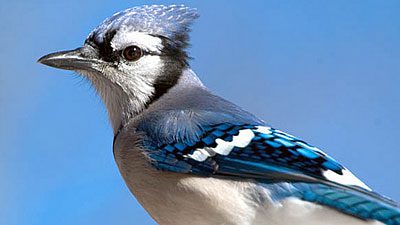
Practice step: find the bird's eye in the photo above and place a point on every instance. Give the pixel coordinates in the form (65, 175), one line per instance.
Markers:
(132, 53)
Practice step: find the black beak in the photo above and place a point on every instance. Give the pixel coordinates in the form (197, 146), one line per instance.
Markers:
(69, 60)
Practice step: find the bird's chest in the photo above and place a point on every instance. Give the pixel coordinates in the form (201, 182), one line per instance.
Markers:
(182, 199)
(173, 198)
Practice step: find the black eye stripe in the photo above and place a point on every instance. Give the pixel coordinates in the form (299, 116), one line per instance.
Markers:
(108, 54)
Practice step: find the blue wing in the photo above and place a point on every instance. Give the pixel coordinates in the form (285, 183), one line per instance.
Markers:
(246, 150)
(269, 155)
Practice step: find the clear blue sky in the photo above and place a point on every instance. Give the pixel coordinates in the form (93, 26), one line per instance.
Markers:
(326, 71)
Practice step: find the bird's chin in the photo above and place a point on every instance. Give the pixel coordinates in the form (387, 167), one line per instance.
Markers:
(91, 75)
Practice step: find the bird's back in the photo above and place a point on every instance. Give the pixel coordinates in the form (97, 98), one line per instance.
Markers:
(180, 116)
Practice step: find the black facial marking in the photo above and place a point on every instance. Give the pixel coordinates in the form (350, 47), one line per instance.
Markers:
(162, 85)
(175, 59)
(170, 78)
(173, 54)
(175, 49)
(104, 47)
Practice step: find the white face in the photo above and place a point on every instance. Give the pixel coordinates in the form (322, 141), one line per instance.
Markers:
(135, 73)
(127, 80)
(126, 83)
(125, 38)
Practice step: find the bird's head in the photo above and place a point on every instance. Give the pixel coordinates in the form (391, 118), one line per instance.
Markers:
(133, 57)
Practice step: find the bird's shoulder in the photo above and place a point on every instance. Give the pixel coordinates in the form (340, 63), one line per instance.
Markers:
(227, 141)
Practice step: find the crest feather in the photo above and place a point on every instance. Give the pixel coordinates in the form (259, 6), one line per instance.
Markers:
(171, 22)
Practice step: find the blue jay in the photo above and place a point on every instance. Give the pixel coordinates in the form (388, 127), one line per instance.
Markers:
(191, 157)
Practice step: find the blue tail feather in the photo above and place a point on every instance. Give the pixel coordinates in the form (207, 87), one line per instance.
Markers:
(367, 206)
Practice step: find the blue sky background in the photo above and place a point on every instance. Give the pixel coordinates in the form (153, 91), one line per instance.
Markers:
(326, 71)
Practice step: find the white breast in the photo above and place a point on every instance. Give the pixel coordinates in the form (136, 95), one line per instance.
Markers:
(180, 199)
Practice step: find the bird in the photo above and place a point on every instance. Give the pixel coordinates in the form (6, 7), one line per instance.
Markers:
(191, 157)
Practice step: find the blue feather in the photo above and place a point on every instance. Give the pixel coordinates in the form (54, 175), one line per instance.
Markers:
(271, 158)
(364, 205)
(368, 206)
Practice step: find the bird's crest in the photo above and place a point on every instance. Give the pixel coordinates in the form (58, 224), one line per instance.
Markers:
(171, 22)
